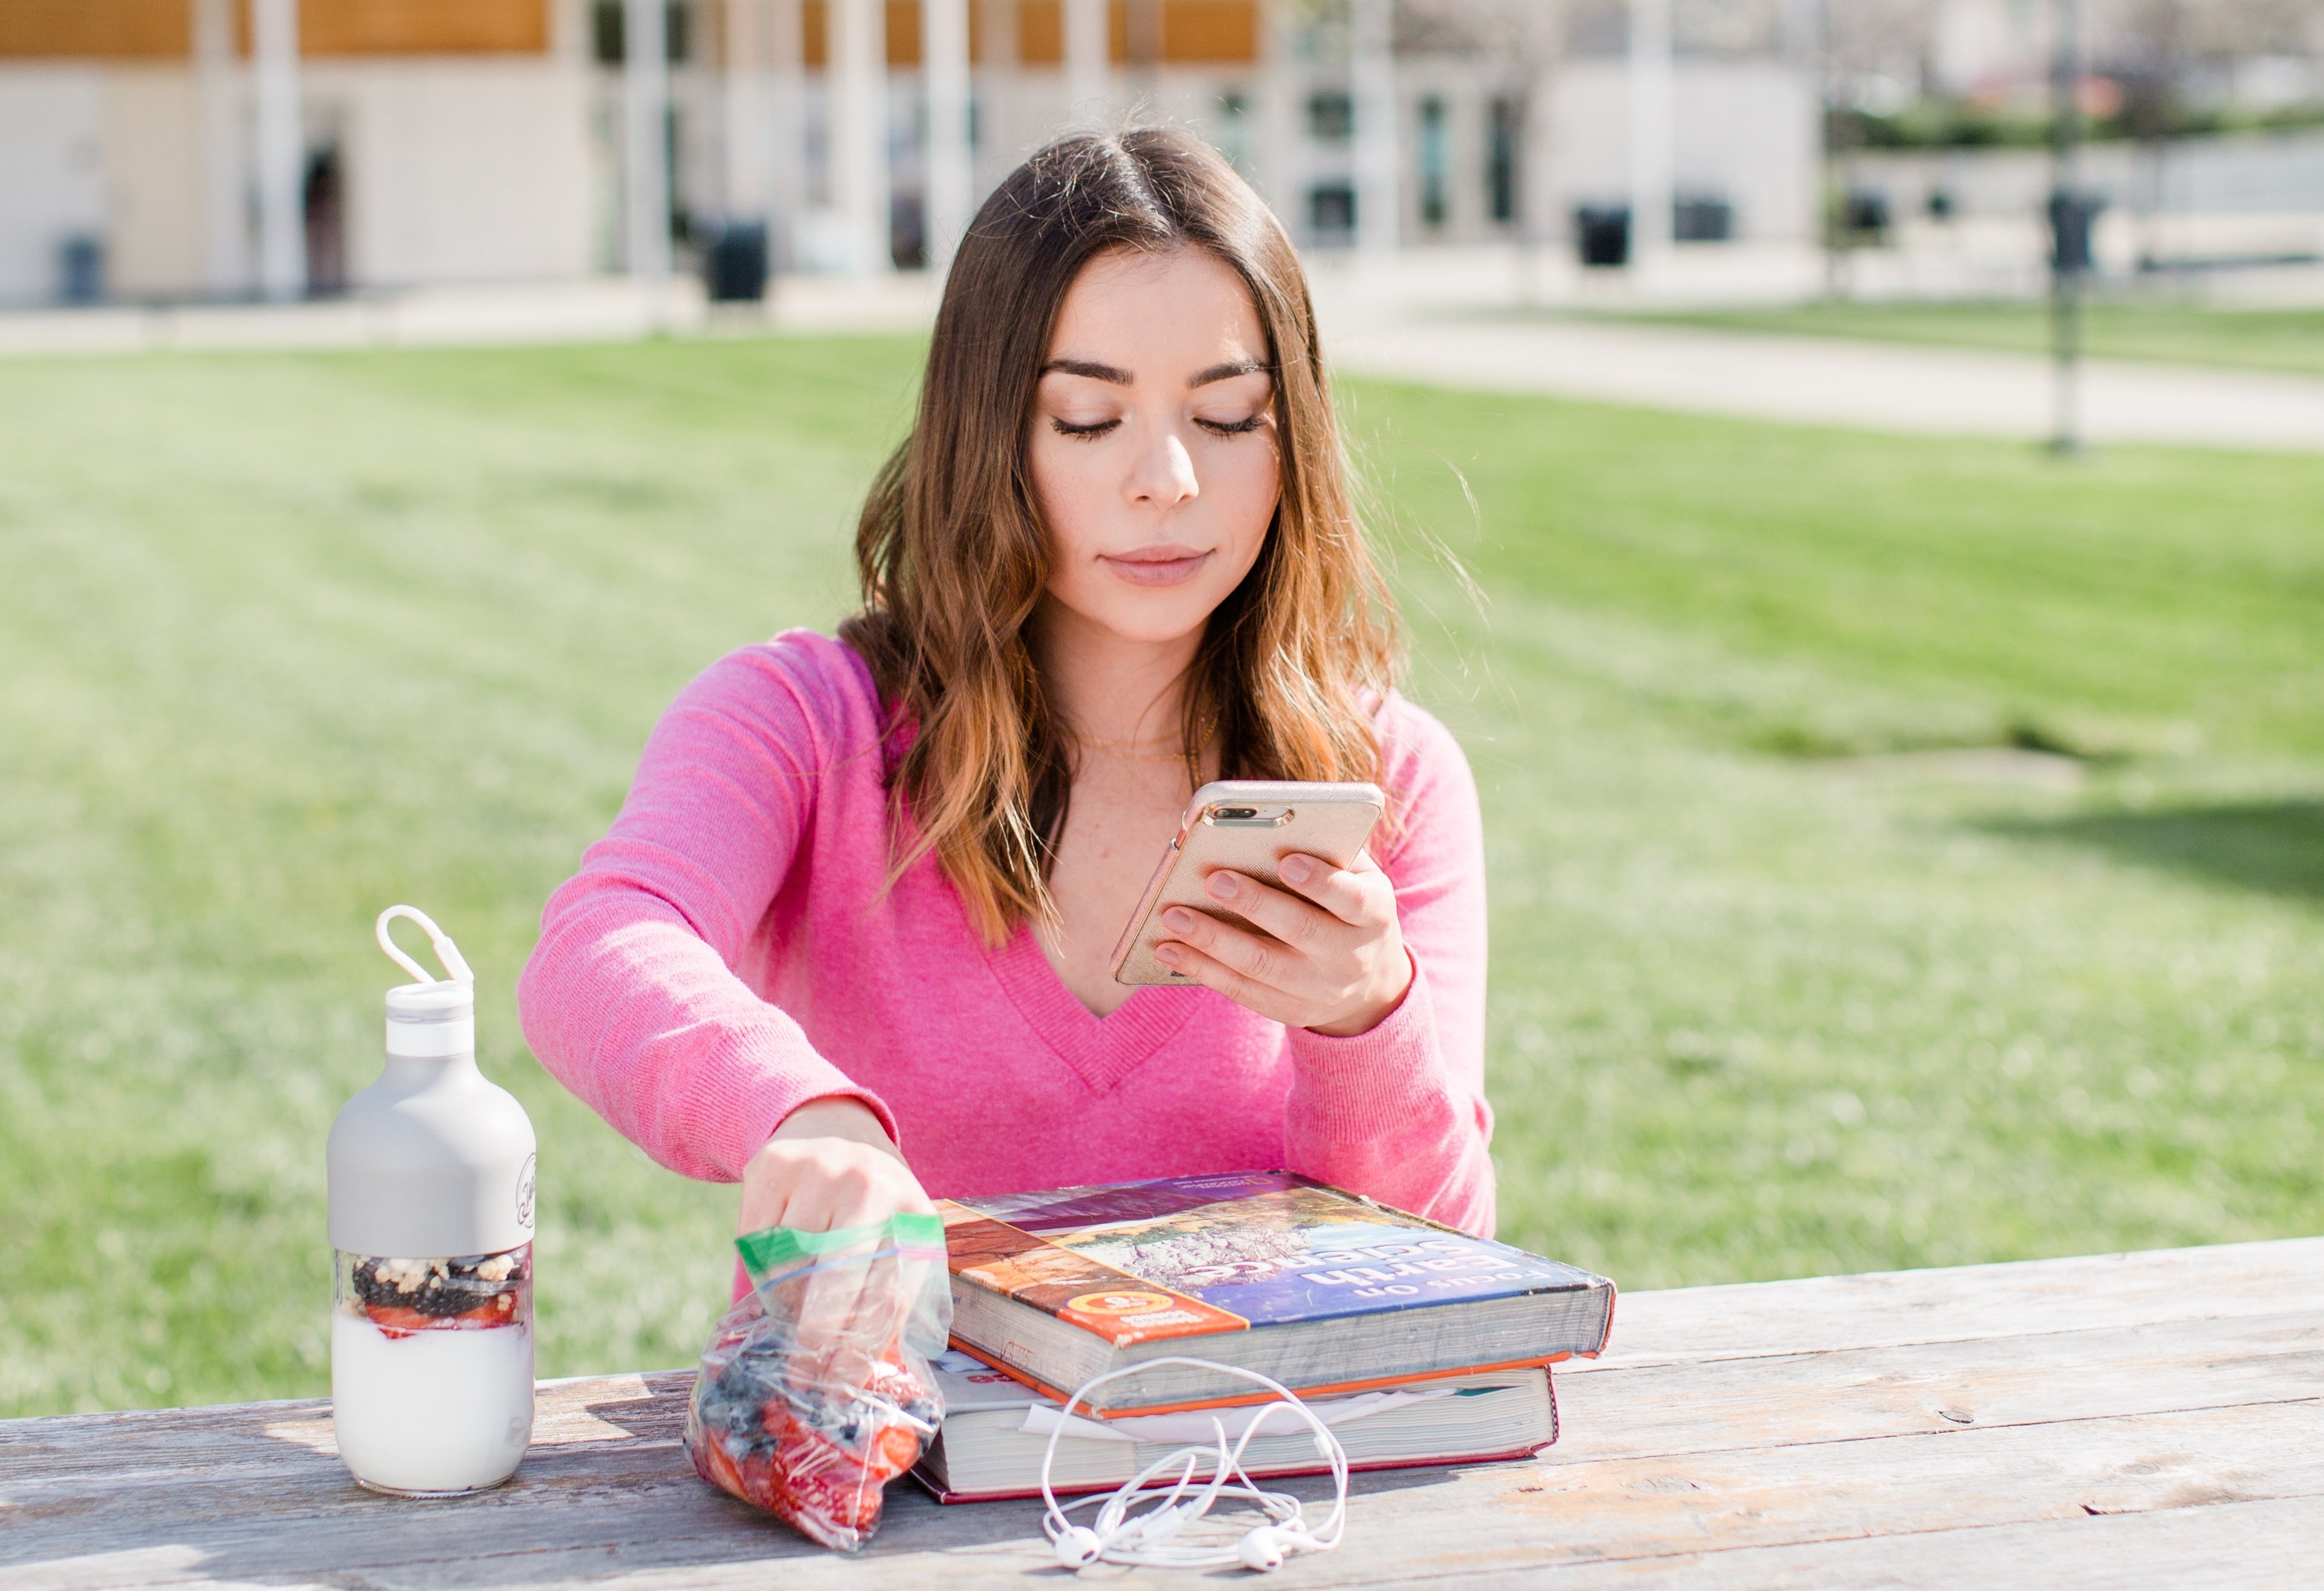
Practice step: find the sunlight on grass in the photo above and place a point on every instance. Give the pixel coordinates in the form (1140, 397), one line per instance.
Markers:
(285, 639)
(2289, 340)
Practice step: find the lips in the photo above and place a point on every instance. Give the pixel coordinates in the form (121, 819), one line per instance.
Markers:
(1167, 565)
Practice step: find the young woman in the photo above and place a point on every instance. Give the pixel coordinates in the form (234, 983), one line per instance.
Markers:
(848, 942)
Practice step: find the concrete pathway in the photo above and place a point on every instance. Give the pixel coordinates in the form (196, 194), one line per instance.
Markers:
(1865, 385)
(606, 309)
(1435, 321)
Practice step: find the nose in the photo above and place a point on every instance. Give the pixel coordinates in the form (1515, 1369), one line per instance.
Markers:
(1165, 474)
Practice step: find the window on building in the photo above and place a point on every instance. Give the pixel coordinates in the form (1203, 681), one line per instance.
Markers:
(1506, 121)
(607, 30)
(1435, 206)
(1331, 117)
(1332, 212)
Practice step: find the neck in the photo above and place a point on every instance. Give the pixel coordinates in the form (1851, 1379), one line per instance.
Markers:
(1108, 687)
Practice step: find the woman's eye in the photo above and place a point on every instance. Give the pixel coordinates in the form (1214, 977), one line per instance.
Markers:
(1065, 427)
(1243, 427)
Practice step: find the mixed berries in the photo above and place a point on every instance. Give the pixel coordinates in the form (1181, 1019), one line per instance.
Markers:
(811, 1435)
(465, 1292)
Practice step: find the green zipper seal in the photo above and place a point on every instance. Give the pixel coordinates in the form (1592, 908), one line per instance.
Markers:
(763, 1251)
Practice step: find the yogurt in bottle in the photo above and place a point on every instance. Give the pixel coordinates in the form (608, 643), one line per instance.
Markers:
(431, 1197)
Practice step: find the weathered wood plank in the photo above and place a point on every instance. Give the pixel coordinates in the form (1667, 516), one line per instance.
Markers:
(2274, 1545)
(2269, 1545)
(1894, 1308)
(1655, 1409)
(627, 1512)
(1710, 1448)
(1774, 1400)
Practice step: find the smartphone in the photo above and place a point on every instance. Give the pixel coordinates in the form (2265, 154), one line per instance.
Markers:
(1250, 826)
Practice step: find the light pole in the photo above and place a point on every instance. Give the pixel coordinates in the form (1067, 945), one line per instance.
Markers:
(1652, 98)
(2070, 226)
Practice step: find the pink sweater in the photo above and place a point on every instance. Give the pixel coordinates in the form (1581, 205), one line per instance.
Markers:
(730, 952)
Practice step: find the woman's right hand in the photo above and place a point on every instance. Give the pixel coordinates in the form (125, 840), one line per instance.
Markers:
(830, 1164)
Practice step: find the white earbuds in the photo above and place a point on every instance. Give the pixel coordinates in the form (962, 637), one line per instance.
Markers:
(1078, 1547)
(1262, 1550)
(1118, 1536)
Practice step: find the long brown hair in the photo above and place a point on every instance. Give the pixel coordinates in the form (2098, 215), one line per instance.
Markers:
(954, 561)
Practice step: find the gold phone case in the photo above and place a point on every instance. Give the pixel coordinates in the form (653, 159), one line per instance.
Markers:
(1329, 821)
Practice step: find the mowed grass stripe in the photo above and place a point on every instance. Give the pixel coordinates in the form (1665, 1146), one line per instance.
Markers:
(283, 639)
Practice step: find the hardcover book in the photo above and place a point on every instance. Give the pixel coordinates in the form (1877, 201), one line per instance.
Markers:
(996, 1430)
(1321, 1290)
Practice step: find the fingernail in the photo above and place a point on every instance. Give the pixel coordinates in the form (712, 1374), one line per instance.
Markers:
(1179, 918)
(1220, 884)
(1297, 869)
(1167, 953)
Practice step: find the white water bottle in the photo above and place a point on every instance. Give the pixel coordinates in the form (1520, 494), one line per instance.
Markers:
(431, 1193)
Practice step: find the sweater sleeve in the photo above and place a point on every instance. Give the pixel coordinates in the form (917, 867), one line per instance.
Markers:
(632, 997)
(1399, 1112)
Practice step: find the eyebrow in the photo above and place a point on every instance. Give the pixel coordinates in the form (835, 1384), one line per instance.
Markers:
(1096, 372)
(1116, 376)
(1227, 372)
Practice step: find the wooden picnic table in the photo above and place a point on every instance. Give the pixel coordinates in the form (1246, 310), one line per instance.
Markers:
(2116, 1420)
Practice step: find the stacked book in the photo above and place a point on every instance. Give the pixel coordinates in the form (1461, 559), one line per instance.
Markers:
(1417, 1343)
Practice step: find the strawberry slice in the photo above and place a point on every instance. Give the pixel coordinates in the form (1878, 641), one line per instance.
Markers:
(398, 1321)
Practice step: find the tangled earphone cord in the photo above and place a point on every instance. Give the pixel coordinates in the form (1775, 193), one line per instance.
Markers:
(1118, 1535)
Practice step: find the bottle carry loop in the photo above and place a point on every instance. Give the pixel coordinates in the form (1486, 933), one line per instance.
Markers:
(446, 952)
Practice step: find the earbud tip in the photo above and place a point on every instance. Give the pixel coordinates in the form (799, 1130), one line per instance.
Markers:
(1078, 1547)
(1261, 1550)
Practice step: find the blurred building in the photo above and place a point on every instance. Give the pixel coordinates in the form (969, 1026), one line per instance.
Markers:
(177, 149)
(2204, 161)
(431, 140)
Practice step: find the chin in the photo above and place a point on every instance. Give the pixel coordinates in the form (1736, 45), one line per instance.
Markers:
(1155, 627)
(1166, 614)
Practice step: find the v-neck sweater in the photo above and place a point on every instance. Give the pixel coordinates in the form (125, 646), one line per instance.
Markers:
(734, 948)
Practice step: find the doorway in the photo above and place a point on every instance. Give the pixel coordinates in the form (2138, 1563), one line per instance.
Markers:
(326, 206)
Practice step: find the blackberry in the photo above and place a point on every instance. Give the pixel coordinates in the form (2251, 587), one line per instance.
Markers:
(437, 1287)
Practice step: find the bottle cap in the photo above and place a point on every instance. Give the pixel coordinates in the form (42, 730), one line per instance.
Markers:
(426, 1020)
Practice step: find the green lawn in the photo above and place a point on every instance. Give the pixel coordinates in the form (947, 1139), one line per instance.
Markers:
(2261, 339)
(283, 639)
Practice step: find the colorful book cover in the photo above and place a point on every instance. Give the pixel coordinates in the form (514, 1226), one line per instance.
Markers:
(1194, 1256)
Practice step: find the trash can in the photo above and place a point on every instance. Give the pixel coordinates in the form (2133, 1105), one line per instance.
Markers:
(1864, 214)
(1703, 219)
(735, 263)
(2071, 216)
(1602, 233)
(80, 270)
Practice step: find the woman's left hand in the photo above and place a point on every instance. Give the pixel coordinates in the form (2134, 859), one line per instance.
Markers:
(1329, 958)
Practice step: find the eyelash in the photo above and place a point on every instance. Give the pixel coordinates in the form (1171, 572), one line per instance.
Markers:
(1242, 427)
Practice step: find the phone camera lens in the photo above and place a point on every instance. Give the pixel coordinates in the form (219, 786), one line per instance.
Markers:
(1238, 812)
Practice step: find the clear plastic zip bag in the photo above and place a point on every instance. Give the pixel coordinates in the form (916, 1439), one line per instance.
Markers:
(816, 1391)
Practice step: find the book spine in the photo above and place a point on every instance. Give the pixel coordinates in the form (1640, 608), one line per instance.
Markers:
(1100, 1408)
(943, 1494)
